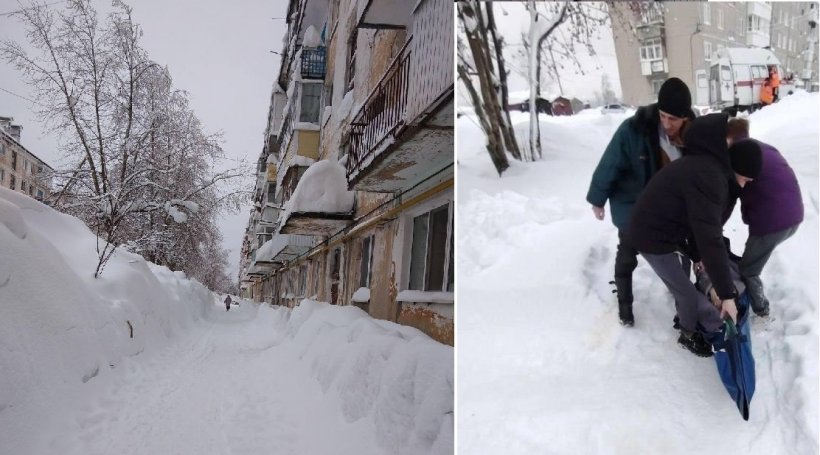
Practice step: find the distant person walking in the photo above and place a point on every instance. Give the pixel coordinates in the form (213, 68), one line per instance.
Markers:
(641, 146)
(771, 205)
(228, 303)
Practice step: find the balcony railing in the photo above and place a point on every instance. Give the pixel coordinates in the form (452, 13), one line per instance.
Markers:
(313, 63)
(382, 113)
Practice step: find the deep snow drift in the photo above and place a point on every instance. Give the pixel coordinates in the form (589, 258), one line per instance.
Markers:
(194, 378)
(538, 325)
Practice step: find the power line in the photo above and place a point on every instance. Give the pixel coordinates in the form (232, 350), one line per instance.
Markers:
(9, 13)
(22, 97)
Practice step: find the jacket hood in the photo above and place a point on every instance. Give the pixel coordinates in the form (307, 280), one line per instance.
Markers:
(707, 136)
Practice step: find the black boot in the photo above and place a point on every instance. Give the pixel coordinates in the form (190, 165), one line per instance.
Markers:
(623, 287)
(695, 343)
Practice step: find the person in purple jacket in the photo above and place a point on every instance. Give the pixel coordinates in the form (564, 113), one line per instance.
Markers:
(771, 205)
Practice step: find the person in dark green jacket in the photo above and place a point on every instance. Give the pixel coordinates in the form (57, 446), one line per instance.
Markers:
(641, 146)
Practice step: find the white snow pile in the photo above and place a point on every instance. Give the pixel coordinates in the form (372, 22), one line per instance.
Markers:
(542, 330)
(60, 327)
(388, 376)
(322, 188)
(311, 38)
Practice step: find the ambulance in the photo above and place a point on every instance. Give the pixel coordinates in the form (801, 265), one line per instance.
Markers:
(736, 76)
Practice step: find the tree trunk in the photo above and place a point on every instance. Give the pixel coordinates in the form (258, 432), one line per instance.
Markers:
(489, 111)
(506, 128)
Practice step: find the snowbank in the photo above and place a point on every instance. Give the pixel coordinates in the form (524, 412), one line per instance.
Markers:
(60, 327)
(393, 376)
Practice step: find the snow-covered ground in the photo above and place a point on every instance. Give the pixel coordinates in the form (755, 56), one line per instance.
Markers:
(544, 366)
(195, 379)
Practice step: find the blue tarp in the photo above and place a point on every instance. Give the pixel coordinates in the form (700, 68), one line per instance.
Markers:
(734, 359)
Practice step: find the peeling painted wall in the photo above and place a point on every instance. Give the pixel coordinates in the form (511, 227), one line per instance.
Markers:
(433, 324)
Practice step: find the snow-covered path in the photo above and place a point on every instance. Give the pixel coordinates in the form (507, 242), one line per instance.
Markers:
(234, 384)
(544, 366)
(219, 389)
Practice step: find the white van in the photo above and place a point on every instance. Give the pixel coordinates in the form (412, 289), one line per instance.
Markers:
(736, 76)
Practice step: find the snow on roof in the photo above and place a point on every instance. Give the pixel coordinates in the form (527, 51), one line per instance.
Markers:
(742, 55)
(323, 188)
(520, 96)
(311, 38)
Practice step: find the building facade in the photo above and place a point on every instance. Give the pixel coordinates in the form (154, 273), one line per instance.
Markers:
(21, 170)
(655, 41)
(354, 192)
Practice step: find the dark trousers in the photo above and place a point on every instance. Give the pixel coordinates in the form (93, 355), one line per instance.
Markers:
(626, 260)
(757, 253)
(693, 308)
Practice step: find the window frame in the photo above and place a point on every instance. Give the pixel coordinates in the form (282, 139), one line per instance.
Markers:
(651, 50)
(447, 283)
(352, 48)
(364, 282)
(706, 13)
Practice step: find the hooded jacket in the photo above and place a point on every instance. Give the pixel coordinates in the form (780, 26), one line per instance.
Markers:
(686, 200)
(632, 157)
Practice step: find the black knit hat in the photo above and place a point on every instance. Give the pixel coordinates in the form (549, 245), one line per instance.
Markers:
(746, 158)
(674, 98)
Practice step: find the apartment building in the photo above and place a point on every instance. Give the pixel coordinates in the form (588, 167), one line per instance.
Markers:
(21, 170)
(655, 41)
(354, 191)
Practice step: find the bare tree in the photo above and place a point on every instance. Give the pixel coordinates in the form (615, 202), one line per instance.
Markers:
(478, 61)
(139, 148)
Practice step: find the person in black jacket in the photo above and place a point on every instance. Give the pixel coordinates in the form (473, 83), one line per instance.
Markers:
(682, 210)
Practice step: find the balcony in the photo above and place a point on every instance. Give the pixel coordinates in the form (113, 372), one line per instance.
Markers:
(384, 13)
(284, 247)
(381, 116)
(313, 63)
(404, 130)
(320, 205)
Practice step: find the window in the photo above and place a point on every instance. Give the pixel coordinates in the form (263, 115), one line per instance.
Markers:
(335, 263)
(351, 57)
(725, 73)
(707, 13)
(311, 103)
(2, 175)
(707, 50)
(30, 189)
(656, 86)
(271, 192)
(14, 160)
(739, 25)
(651, 50)
(431, 255)
(720, 18)
(367, 262)
(23, 186)
(40, 195)
(2, 148)
(12, 182)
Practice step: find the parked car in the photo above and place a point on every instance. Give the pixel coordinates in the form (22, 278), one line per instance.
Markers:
(613, 109)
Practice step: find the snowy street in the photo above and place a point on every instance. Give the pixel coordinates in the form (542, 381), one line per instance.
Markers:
(193, 378)
(557, 373)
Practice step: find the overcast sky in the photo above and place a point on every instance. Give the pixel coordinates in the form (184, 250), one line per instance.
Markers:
(218, 51)
(512, 19)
